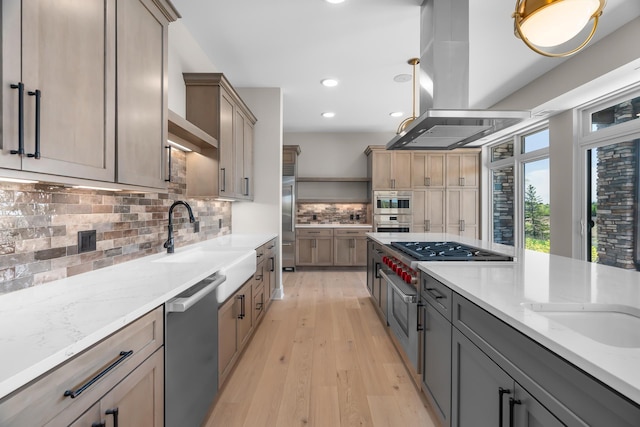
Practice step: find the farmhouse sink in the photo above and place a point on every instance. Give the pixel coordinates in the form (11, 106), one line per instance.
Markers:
(189, 255)
(611, 324)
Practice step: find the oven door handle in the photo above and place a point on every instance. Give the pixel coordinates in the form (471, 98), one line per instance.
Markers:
(405, 297)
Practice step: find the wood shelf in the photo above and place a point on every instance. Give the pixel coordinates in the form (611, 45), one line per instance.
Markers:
(188, 134)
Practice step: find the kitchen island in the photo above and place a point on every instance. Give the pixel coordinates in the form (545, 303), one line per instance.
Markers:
(584, 313)
(44, 326)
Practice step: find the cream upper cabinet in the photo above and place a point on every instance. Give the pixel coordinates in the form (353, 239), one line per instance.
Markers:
(429, 211)
(59, 57)
(463, 207)
(62, 74)
(427, 170)
(142, 38)
(389, 170)
(463, 169)
(215, 107)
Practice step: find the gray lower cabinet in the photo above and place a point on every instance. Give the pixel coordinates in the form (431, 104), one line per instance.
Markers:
(486, 396)
(376, 285)
(436, 353)
(544, 389)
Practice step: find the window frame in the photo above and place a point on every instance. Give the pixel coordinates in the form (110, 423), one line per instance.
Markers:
(518, 162)
(588, 139)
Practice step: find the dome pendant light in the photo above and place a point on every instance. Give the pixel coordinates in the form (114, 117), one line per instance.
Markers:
(406, 122)
(547, 23)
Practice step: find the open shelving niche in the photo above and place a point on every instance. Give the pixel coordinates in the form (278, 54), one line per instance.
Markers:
(202, 160)
(333, 190)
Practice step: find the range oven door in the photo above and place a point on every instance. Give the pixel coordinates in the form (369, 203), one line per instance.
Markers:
(402, 316)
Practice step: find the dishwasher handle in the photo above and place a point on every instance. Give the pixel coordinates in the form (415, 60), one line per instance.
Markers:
(182, 304)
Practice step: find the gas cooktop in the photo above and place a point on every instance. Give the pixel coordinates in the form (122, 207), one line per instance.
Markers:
(447, 251)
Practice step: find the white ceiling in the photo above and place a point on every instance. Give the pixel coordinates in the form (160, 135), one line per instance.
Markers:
(294, 44)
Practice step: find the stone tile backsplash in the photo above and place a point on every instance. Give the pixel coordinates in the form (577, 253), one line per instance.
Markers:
(39, 226)
(328, 213)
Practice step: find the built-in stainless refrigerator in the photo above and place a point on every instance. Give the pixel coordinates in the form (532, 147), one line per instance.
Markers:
(288, 223)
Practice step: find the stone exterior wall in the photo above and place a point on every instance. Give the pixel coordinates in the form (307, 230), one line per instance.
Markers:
(39, 225)
(328, 213)
(617, 193)
(503, 205)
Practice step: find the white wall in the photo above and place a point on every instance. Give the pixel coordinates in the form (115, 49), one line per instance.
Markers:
(185, 56)
(334, 154)
(263, 215)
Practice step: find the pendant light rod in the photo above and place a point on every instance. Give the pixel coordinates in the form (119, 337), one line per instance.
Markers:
(406, 122)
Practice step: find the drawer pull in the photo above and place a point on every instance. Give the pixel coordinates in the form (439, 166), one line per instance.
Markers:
(113, 412)
(123, 355)
(99, 424)
(435, 294)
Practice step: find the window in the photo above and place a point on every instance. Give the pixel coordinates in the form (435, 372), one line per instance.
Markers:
(610, 181)
(520, 191)
(536, 205)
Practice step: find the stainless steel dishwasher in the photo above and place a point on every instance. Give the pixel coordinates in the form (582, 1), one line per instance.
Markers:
(191, 353)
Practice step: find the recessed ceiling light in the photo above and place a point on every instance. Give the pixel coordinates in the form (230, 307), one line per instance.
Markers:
(329, 82)
(396, 114)
(328, 114)
(401, 78)
(334, 1)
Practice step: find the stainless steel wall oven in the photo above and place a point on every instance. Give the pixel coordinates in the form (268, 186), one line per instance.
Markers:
(392, 202)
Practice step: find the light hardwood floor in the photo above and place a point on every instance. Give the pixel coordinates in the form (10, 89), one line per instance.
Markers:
(320, 357)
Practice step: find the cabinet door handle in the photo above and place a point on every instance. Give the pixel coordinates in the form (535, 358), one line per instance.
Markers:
(168, 147)
(242, 313)
(512, 403)
(377, 272)
(426, 318)
(113, 412)
(273, 264)
(461, 181)
(20, 87)
(75, 393)
(419, 326)
(352, 243)
(393, 183)
(427, 225)
(501, 393)
(427, 181)
(462, 225)
(223, 172)
(37, 94)
(246, 183)
(313, 243)
(99, 424)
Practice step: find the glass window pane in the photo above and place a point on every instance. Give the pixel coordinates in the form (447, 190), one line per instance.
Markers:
(503, 205)
(535, 141)
(616, 114)
(536, 205)
(614, 208)
(502, 151)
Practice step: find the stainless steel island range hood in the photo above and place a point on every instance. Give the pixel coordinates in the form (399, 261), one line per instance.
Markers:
(446, 122)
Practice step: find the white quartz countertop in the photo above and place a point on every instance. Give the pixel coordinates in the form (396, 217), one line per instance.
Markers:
(515, 291)
(43, 326)
(337, 225)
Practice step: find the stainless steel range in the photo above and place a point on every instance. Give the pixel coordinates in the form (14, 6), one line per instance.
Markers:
(447, 251)
(394, 268)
